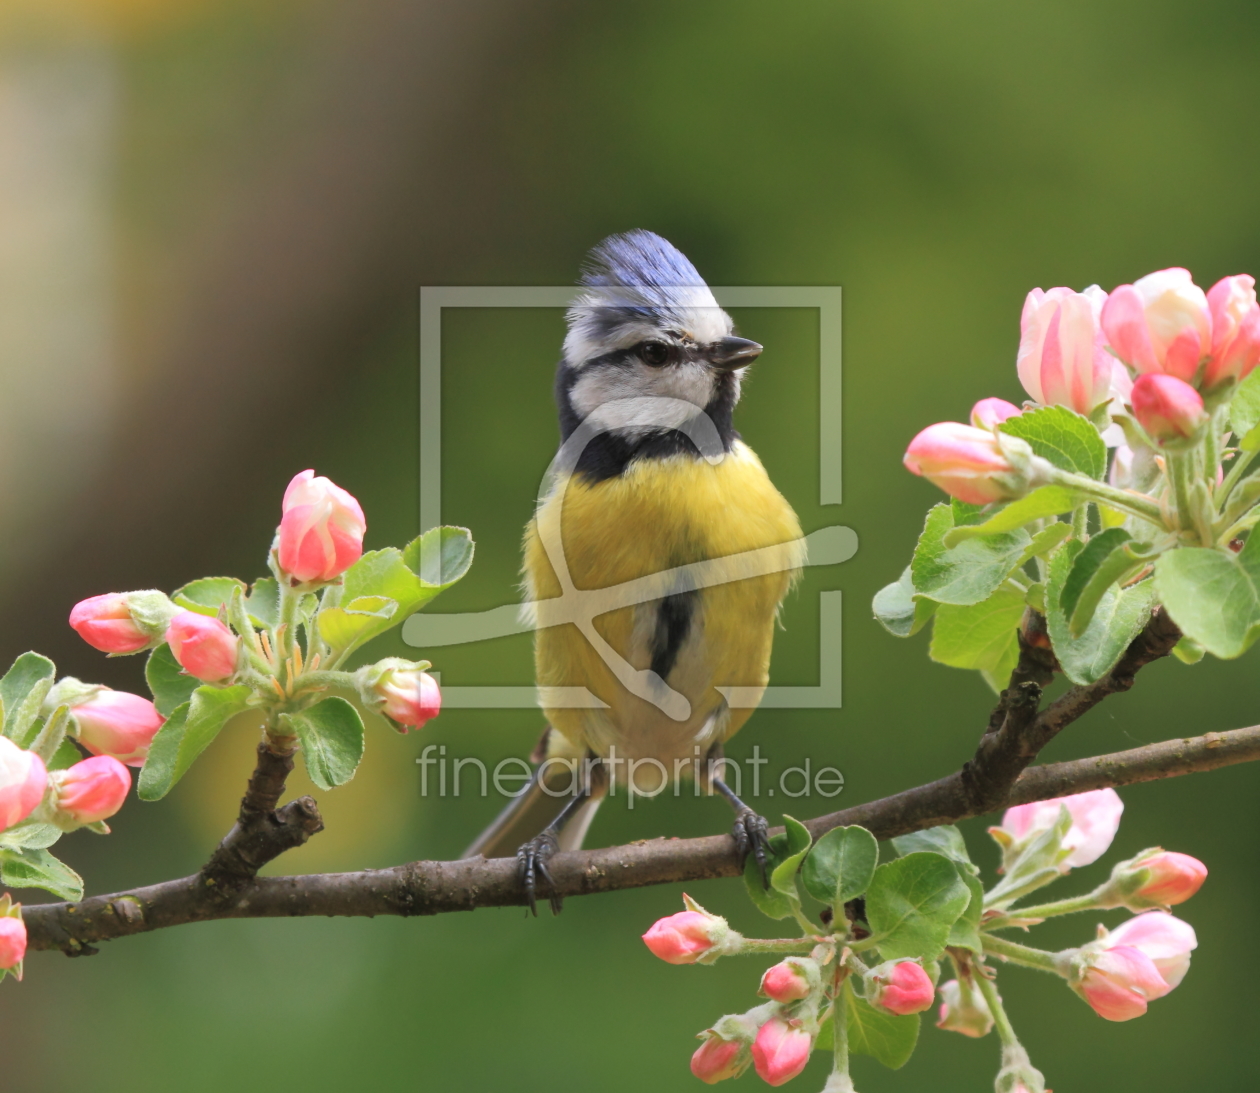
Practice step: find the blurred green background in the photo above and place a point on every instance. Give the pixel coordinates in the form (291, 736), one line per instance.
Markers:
(214, 219)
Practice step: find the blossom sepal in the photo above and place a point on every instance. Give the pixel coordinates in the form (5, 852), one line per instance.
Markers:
(1018, 1075)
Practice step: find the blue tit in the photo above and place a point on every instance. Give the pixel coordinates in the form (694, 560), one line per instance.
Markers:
(633, 560)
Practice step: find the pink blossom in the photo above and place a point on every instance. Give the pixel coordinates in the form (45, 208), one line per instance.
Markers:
(962, 460)
(1167, 408)
(105, 623)
(717, 1059)
(321, 531)
(963, 1009)
(204, 647)
(1160, 323)
(1062, 360)
(685, 937)
(119, 724)
(93, 789)
(12, 942)
(1119, 982)
(410, 696)
(1235, 330)
(23, 779)
(1161, 936)
(1095, 820)
(781, 1050)
(901, 987)
(1174, 878)
(989, 413)
(785, 982)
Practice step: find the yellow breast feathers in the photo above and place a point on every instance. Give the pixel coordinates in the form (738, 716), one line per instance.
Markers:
(682, 565)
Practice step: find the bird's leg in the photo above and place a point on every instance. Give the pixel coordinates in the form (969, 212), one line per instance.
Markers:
(533, 856)
(750, 828)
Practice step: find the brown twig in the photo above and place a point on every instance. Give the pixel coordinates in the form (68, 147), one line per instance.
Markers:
(430, 888)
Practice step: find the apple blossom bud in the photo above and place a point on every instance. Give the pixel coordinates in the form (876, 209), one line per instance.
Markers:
(204, 647)
(1062, 360)
(1163, 937)
(966, 462)
(91, 790)
(900, 986)
(1235, 330)
(117, 723)
(1167, 408)
(105, 623)
(1141, 960)
(401, 690)
(1155, 878)
(790, 980)
(321, 531)
(691, 936)
(1095, 819)
(964, 1009)
(989, 413)
(23, 779)
(717, 1059)
(1018, 1075)
(781, 1050)
(12, 937)
(1160, 323)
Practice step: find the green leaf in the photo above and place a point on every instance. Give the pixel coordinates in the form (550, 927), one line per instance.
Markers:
(840, 866)
(912, 903)
(441, 556)
(1188, 651)
(263, 603)
(331, 735)
(1064, 438)
(1042, 502)
(971, 571)
(945, 840)
(965, 933)
(170, 684)
(187, 733)
(783, 876)
(1213, 595)
(1044, 542)
(22, 690)
(769, 901)
(982, 635)
(1105, 559)
(208, 594)
(39, 869)
(65, 756)
(1117, 620)
(966, 513)
(896, 609)
(878, 1033)
(1244, 407)
(31, 834)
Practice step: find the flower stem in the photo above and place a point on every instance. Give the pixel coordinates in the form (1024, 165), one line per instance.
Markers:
(1000, 1021)
(1087, 902)
(1137, 504)
(1180, 467)
(777, 945)
(1024, 955)
(1236, 471)
(840, 1026)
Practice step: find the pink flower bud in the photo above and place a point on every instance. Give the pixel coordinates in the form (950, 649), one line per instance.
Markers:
(1160, 323)
(1095, 820)
(1167, 408)
(1235, 330)
(787, 981)
(717, 1059)
(963, 1009)
(12, 942)
(204, 647)
(321, 531)
(1164, 938)
(901, 987)
(963, 461)
(781, 1050)
(105, 623)
(1119, 982)
(23, 780)
(686, 937)
(119, 724)
(989, 413)
(1062, 360)
(92, 790)
(410, 696)
(1174, 878)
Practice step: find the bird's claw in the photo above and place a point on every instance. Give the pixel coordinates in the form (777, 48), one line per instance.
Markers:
(751, 838)
(531, 860)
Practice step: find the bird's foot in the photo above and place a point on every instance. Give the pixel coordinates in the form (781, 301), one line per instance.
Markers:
(531, 860)
(751, 838)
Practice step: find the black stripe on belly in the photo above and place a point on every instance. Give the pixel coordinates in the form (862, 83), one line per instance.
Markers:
(673, 623)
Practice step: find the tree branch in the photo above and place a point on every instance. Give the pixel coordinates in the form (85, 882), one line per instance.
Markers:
(430, 888)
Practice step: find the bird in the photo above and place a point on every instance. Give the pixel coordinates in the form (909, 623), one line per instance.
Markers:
(653, 491)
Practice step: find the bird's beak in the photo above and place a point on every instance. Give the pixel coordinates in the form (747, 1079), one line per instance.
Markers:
(728, 354)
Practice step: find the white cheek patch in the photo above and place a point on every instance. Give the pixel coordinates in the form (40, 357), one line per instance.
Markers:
(690, 383)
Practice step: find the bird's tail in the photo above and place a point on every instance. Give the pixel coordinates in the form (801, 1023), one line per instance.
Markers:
(536, 807)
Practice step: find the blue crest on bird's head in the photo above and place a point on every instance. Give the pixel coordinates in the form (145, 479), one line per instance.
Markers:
(637, 286)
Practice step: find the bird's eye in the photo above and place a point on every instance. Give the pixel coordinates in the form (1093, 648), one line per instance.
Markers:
(655, 353)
